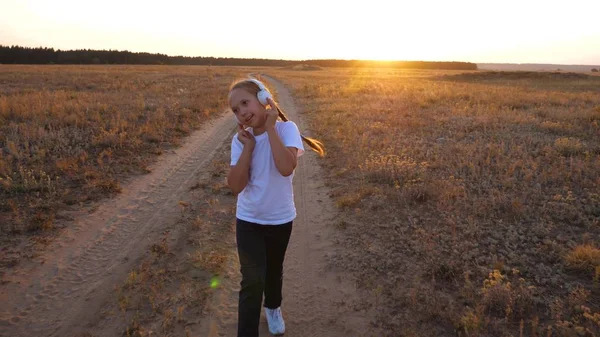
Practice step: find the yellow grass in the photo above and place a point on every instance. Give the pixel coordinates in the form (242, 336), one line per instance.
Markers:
(468, 175)
(73, 134)
(464, 196)
(584, 258)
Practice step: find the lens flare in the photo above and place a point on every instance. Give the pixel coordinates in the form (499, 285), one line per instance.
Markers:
(214, 282)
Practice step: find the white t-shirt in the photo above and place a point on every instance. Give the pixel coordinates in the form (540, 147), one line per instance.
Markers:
(268, 198)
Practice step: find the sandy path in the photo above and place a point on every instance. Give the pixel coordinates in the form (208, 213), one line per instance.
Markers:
(317, 301)
(63, 290)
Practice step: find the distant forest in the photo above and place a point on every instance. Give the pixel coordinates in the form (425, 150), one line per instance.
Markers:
(40, 55)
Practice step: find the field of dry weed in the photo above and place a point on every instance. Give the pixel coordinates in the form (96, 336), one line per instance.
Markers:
(71, 135)
(470, 201)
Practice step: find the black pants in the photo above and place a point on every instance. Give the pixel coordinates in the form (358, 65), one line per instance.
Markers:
(261, 249)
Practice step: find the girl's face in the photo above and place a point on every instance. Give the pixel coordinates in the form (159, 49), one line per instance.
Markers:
(247, 108)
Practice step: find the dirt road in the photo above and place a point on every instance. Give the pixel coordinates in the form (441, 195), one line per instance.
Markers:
(316, 300)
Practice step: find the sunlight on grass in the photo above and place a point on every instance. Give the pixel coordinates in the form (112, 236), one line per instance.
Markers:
(71, 134)
(473, 175)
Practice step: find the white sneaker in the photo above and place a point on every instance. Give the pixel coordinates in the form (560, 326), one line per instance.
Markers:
(275, 321)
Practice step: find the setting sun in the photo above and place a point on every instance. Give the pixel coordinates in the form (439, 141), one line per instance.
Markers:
(464, 30)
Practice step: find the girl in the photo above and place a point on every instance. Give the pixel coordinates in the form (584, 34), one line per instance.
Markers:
(263, 159)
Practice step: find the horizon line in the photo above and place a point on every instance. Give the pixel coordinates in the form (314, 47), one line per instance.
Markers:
(300, 60)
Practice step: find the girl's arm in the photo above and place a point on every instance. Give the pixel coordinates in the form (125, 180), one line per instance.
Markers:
(285, 158)
(239, 174)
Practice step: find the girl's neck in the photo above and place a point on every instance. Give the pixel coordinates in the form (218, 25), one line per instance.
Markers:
(259, 130)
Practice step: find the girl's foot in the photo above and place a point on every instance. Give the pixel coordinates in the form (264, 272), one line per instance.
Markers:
(275, 321)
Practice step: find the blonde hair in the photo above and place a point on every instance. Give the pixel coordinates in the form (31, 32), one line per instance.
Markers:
(252, 88)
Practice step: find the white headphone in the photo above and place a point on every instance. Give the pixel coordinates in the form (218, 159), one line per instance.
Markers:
(263, 94)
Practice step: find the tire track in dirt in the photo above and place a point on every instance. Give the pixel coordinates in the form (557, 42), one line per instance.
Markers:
(65, 292)
(317, 301)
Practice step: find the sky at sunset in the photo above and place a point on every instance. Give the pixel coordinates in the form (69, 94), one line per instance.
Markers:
(509, 31)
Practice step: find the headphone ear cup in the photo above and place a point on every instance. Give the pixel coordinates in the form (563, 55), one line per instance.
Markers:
(263, 97)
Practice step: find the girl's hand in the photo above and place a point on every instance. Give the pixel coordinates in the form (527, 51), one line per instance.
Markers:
(246, 137)
(272, 114)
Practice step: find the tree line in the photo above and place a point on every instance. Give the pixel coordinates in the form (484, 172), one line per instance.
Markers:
(43, 55)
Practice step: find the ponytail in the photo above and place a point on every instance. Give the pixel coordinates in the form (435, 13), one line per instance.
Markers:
(314, 144)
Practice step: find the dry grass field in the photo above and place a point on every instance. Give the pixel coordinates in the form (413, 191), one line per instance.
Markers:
(71, 135)
(470, 201)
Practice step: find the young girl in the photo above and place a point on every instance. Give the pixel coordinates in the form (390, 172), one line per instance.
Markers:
(263, 159)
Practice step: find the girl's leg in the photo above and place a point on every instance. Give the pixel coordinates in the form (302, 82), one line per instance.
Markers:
(277, 238)
(251, 251)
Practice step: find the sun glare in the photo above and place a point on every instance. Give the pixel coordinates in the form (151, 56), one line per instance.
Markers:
(462, 30)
